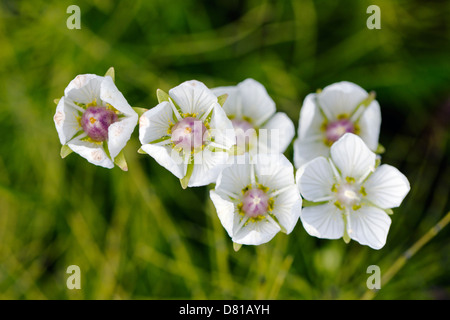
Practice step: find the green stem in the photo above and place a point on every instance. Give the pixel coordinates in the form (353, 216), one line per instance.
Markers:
(111, 73)
(408, 254)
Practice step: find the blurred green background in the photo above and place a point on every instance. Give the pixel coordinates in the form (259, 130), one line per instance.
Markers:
(137, 234)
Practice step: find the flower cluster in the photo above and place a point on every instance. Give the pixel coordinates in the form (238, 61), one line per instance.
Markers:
(233, 137)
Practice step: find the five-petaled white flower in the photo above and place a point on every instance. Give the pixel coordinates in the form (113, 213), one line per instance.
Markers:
(327, 115)
(259, 128)
(188, 133)
(94, 120)
(257, 198)
(352, 196)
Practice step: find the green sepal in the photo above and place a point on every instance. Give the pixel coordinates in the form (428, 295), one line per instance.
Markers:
(389, 211)
(106, 148)
(163, 138)
(221, 99)
(139, 111)
(367, 101)
(236, 246)
(120, 161)
(380, 149)
(141, 151)
(190, 169)
(111, 73)
(65, 151)
(56, 101)
(162, 95)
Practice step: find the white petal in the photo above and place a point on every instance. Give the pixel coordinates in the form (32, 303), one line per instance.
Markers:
(221, 128)
(369, 125)
(85, 88)
(316, 180)
(92, 152)
(311, 119)
(340, 98)
(233, 104)
(256, 233)
(110, 94)
(287, 208)
(280, 132)
(306, 150)
(387, 187)
(66, 122)
(119, 133)
(167, 158)
(274, 171)
(225, 211)
(352, 157)
(155, 123)
(193, 97)
(369, 226)
(207, 167)
(256, 102)
(323, 221)
(234, 178)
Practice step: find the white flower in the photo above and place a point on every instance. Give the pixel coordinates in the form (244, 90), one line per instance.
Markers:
(351, 195)
(257, 199)
(259, 128)
(327, 115)
(188, 133)
(94, 120)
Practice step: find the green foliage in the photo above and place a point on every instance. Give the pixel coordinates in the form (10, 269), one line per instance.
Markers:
(138, 234)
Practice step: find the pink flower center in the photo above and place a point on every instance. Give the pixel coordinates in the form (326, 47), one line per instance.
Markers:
(338, 128)
(96, 121)
(255, 202)
(188, 134)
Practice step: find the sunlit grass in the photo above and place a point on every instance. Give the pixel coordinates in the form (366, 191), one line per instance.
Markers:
(137, 234)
